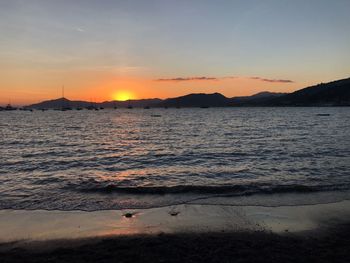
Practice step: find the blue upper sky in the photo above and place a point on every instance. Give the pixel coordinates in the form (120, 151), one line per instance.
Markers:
(306, 41)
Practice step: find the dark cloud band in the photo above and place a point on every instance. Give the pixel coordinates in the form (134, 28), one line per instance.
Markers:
(179, 79)
(273, 80)
(188, 79)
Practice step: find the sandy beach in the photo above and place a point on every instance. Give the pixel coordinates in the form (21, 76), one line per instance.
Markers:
(183, 233)
(243, 246)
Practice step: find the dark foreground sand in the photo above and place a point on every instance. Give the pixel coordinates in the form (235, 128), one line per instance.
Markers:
(330, 245)
(183, 233)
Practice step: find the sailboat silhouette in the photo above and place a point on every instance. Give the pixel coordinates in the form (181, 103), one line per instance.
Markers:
(64, 102)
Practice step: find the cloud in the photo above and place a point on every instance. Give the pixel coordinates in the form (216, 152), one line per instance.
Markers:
(179, 79)
(188, 79)
(79, 29)
(273, 80)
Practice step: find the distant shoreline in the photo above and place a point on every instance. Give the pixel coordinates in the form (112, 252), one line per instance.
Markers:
(215, 107)
(335, 93)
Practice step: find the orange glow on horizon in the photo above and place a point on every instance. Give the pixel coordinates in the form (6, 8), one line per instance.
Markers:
(104, 86)
(122, 95)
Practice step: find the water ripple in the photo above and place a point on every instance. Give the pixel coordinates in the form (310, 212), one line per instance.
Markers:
(104, 160)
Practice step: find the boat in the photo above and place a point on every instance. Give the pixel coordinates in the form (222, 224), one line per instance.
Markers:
(66, 108)
(90, 107)
(25, 109)
(65, 103)
(9, 108)
(129, 105)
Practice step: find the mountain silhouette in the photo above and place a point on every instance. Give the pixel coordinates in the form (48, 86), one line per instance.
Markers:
(197, 100)
(256, 99)
(59, 103)
(335, 93)
(63, 102)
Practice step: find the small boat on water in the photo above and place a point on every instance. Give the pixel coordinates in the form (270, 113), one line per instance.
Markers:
(10, 108)
(91, 107)
(66, 108)
(25, 109)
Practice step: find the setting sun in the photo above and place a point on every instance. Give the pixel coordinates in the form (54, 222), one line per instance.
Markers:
(122, 95)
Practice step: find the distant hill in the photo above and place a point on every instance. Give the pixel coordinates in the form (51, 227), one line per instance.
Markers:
(256, 99)
(190, 100)
(197, 100)
(336, 93)
(65, 103)
(134, 103)
(58, 103)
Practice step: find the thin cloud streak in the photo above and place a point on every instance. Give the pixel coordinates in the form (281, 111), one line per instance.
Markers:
(180, 79)
(273, 80)
(188, 79)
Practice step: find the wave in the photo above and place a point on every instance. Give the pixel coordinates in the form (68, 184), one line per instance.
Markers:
(234, 190)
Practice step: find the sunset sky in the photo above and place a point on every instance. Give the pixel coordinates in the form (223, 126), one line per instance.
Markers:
(104, 50)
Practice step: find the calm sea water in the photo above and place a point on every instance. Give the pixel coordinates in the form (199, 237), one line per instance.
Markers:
(114, 159)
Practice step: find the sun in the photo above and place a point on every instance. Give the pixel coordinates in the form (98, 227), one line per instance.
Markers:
(122, 95)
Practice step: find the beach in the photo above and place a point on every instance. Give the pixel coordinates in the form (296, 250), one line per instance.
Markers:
(197, 247)
(184, 233)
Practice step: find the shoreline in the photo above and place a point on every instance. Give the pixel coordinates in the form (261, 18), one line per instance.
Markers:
(182, 233)
(21, 227)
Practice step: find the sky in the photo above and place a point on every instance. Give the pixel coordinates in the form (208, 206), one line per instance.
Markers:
(103, 50)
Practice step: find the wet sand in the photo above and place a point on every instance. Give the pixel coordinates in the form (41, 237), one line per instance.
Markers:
(246, 246)
(184, 233)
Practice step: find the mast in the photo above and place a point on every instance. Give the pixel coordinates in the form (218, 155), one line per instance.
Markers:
(62, 97)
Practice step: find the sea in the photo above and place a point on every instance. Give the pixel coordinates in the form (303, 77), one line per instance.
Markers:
(145, 158)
